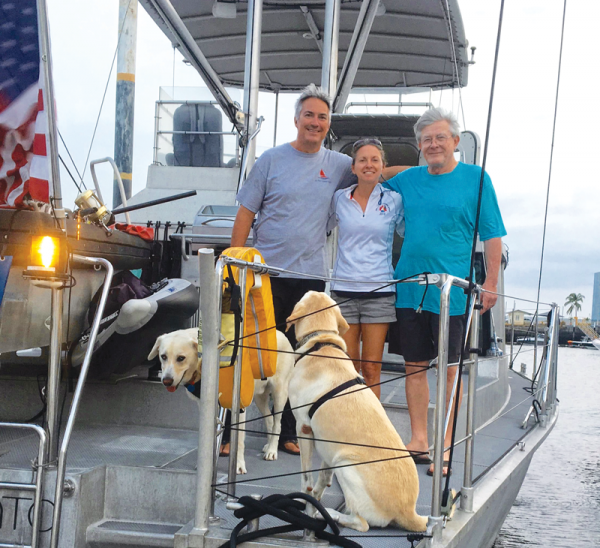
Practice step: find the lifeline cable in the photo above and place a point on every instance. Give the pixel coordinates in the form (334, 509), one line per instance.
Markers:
(365, 445)
(340, 395)
(473, 251)
(283, 324)
(287, 474)
(294, 353)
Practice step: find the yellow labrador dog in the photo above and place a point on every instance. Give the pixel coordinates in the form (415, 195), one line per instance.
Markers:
(376, 494)
(178, 354)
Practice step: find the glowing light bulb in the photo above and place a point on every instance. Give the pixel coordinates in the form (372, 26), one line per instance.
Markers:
(46, 251)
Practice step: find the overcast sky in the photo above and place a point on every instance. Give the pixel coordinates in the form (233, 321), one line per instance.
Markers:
(84, 37)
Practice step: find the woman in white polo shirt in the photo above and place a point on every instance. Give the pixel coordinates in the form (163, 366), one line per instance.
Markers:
(367, 216)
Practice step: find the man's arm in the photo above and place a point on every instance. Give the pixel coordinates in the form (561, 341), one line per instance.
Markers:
(390, 171)
(241, 227)
(493, 258)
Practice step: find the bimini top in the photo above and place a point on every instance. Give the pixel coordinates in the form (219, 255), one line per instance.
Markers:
(408, 46)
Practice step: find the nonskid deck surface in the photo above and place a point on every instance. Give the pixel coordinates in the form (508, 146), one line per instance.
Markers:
(490, 444)
(175, 449)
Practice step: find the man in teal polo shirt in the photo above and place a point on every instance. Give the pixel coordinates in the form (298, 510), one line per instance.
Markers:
(440, 206)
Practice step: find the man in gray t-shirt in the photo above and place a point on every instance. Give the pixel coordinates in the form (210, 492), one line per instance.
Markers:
(289, 189)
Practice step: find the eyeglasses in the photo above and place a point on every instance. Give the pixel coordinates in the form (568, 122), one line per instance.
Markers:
(441, 139)
(368, 141)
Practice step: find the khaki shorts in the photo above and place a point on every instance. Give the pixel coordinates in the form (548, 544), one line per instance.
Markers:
(369, 310)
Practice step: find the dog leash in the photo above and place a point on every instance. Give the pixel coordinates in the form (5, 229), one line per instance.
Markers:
(290, 510)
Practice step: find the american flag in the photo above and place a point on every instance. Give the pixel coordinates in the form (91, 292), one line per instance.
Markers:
(24, 168)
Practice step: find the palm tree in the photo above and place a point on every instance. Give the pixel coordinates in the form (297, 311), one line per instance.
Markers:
(574, 301)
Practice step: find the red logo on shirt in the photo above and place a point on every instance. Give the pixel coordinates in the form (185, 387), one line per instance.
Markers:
(322, 175)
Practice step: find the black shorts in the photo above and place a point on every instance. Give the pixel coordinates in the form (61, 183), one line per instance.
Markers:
(286, 294)
(415, 335)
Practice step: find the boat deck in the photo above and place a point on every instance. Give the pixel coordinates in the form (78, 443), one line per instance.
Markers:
(171, 449)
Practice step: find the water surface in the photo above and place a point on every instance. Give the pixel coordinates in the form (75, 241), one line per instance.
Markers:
(559, 503)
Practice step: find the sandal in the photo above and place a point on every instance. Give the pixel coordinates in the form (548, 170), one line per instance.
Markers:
(445, 464)
(290, 447)
(224, 451)
(420, 457)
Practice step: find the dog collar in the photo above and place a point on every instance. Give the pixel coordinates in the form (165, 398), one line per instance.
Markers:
(313, 335)
(318, 347)
(195, 378)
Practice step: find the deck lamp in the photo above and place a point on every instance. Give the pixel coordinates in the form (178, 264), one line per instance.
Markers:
(48, 257)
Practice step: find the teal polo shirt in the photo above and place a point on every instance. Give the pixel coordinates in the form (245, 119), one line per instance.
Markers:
(439, 212)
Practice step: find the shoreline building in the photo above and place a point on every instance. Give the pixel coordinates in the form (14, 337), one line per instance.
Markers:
(596, 299)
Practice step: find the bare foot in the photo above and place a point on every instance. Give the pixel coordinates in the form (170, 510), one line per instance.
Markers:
(224, 451)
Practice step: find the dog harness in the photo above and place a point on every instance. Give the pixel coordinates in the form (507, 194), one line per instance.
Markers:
(334, 392)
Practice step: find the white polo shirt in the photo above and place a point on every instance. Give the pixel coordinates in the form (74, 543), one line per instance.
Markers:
(365, 238)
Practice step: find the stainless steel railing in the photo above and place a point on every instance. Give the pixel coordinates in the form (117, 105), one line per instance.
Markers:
(211, 289)
(62, 456)
(36, 487)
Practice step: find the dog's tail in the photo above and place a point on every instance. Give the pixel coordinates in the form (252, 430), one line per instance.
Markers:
(412, 522)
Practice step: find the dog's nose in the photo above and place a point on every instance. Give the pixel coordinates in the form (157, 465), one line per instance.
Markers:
(167, 381)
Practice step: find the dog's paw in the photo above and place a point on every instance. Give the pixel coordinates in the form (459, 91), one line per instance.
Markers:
(241, 468)
(269, 453)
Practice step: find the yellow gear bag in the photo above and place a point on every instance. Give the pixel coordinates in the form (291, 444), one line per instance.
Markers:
(259, 315)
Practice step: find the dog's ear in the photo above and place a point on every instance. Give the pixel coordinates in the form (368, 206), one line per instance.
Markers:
(300, 310)
(341, 321)
(154, 351)
(194, 343)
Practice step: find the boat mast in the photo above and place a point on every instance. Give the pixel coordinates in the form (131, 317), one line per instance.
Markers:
(124, 110)
(50, 108)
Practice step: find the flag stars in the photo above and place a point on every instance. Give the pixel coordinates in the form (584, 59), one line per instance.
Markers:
(7, 83)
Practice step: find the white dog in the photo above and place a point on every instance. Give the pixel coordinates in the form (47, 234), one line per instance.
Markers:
(178, 354)
(376, 494)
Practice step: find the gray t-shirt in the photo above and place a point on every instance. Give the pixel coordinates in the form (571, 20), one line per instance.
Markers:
(291, 191)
